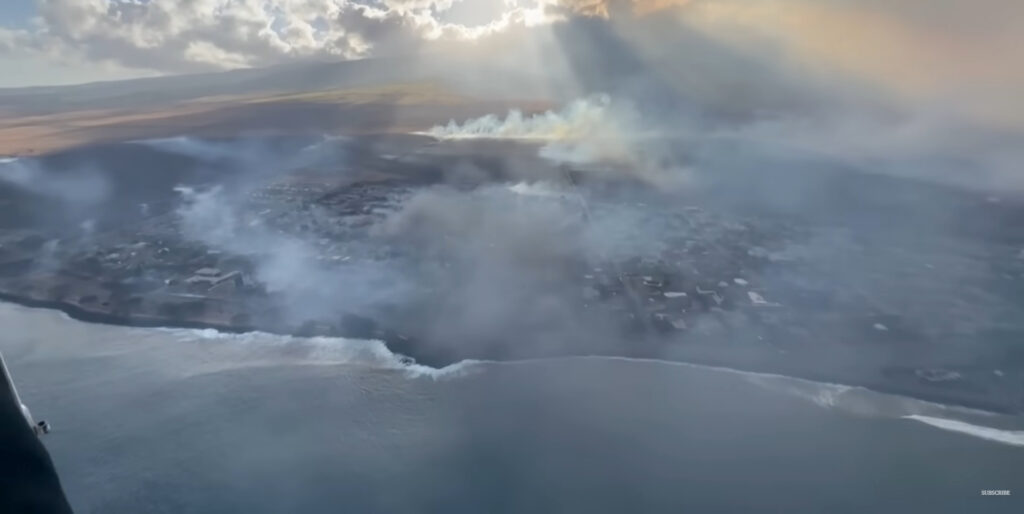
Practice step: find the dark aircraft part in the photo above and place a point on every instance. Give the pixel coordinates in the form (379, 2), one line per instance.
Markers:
(28, 481)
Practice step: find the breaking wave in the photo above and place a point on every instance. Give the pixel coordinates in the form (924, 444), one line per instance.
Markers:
(258, 349)
(1011, 437)
(852, 399)
(263, 348)
(271, 349)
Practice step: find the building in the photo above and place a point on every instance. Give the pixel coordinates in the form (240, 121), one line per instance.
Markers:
(214, 280)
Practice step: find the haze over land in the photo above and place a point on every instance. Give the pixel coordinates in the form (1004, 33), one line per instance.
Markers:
(924, 89)
(823, 189)
(629, 112)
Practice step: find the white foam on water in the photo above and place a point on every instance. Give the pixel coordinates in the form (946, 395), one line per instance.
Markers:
(459, 369)
(757, 299)
(8, 160)
(821, 394)
(191, 352)
(1010, 437)
(263, 348)
(852, 399)
(257, 349)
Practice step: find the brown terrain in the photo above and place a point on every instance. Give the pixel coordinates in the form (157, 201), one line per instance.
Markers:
(399, 108)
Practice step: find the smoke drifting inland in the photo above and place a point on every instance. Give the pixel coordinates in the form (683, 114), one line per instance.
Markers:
(662, 150)
(758, 251)
(485, 269)
(888, 212)
(582, 118)
(589, 131)
(788, 202)
(287, 262)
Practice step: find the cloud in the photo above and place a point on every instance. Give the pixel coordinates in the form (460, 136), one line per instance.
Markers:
(685, 64)
(608, 8)
(957, 54)
(199, 35)
(207, 35)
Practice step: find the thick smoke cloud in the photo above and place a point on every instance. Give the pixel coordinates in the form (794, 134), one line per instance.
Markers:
(668, 92)
(83, 189)
(593, 130)
(286, 264)
(679, 106)
(580, 118)
(500, 267)
(503, 262)
(597, 131)
(307, 271)
(490, 271)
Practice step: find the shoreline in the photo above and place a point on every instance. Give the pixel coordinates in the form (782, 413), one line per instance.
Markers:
(79, 313)
(407, 349)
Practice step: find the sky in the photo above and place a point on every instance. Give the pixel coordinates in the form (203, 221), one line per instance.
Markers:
(67, 41)
(17, 13)
(962, 54)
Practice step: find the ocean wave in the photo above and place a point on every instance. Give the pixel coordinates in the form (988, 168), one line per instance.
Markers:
(265, 349)
(848, 398)
(1010, 437)
(856, 399)
(866, 402)
(271, 349)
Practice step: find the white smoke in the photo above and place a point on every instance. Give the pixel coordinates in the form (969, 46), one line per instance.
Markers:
(588, 132)
(82, 188)
(921, 145)
(603, 132)
(583, 118)
(286, 264)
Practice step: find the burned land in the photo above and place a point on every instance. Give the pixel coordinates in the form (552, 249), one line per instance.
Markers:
(479, 249)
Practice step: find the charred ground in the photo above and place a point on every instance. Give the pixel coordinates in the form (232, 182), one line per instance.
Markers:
(479, 249)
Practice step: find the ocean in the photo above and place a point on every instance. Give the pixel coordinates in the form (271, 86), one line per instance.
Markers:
(169, 420)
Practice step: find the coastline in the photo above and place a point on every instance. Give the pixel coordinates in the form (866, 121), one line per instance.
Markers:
(407, 348)
(108, 318)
